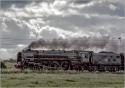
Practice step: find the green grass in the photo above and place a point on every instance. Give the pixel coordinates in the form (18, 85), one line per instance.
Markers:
(11, 77)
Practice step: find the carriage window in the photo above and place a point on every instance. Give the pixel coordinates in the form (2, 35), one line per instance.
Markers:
(111, 56)
(114, 60)
(117, 56)
(109, 60)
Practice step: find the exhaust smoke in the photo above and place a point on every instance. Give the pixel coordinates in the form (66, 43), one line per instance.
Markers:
(79, 43)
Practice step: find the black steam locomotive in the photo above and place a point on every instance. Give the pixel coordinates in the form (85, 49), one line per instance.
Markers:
(70, 60)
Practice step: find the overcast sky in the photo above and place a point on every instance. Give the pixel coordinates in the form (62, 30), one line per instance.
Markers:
(22, 21)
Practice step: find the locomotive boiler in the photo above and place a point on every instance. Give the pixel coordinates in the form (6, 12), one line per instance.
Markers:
(70, 60)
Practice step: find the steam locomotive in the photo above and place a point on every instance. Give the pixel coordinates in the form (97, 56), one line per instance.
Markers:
(70, 60)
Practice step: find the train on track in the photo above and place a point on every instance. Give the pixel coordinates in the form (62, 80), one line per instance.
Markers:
(70, 60)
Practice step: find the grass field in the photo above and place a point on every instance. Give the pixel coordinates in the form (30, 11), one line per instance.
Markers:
(11, 77)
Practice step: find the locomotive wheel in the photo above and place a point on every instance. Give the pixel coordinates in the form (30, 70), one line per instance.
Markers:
(108, 68)
(82, 68)
(117, 69)
(76, 67)
(101, 68)
(91, 69)
(44, 67)
(35, 67)
(112, 69)
(31, 65)
(54, 66)
(65, 65)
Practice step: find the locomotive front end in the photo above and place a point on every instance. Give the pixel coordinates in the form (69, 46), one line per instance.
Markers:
(19, 60)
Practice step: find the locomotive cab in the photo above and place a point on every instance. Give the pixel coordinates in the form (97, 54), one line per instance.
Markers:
(85, 56)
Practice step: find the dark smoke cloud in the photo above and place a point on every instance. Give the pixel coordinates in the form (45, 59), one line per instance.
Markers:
(79, 43)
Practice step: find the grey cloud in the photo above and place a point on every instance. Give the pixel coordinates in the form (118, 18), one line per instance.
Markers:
(14, 35)
(104, 9)
(48, 35)
(5, 4)
(22, 3)
(82, 1)
(94, 24)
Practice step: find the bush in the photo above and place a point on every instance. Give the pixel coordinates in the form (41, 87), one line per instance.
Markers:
(2, 65)
(10, 60)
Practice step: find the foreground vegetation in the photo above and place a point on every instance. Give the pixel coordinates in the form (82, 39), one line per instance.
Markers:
(12, 77)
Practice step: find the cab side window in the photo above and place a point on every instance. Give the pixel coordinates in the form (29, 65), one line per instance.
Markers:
(117, 56)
